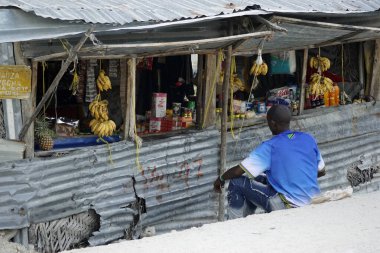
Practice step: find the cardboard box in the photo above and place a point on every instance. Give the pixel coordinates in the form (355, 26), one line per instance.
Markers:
(155, 125)
(159, 105)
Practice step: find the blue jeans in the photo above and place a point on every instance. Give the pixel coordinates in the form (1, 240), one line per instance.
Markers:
(252, 193)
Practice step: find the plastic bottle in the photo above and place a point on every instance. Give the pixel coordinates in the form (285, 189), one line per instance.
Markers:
(332, 97)
(336, 94)
(326, 98)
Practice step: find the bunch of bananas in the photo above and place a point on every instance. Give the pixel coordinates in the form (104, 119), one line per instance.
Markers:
(259, 69)
(75, 83)
(320, 84)
(102, 128)
(101, 125)
(98, 109)
(320, 62)
(103, 81)
(237, 83)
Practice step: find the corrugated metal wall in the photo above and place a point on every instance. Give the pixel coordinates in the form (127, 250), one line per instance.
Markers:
(175, 180)
(343, 134)
(176, 175)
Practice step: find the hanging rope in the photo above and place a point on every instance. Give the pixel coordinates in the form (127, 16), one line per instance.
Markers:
(253, 86)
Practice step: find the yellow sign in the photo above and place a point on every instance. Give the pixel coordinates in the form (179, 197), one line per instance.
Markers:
(15, 81)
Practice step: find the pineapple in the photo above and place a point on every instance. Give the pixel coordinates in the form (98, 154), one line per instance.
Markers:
(44, 134)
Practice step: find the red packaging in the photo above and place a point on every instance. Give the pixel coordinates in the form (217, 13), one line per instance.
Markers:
(159, 105)
(155, 125)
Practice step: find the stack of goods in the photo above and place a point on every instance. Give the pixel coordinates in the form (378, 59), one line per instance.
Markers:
(91, 85)
(242, 109)
(158, 112)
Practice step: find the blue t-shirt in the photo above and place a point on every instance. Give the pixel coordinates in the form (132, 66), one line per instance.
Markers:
(291, 161)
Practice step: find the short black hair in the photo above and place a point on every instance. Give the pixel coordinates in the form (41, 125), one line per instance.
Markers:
(280, 114)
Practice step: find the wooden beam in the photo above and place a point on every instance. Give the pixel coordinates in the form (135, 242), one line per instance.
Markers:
(303, 81)
(130, 98)
(123, 84)
(339, 39)
(55, 82)
(28, 106)
(223, 130)
(200, 105)
(270, 24)
(325, 24)
(375, 79)
(182, 45)
(209, 91)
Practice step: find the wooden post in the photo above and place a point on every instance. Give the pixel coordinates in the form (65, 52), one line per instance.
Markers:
(303, 81)
(200, 104)
(209, 91)
(130, 99)
(55, 82)
(123, 84)
(28, 106)
(223, 129)
(375, 79)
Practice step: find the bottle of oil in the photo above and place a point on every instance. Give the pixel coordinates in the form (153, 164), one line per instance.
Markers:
(336, 94)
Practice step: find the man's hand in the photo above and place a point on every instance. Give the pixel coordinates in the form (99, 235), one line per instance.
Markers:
(218, 185)
(321, 173)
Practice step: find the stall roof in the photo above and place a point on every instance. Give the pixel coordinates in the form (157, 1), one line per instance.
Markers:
(122, 11)
(308, 34)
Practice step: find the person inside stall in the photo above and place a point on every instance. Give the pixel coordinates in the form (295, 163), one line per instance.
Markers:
(181, 91)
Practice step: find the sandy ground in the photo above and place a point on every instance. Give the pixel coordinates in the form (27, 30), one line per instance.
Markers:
(349, 225)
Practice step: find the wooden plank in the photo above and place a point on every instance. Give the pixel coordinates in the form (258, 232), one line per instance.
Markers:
(55, 82)
(123, 84)
(209, 91)
(324, 24)
(130, 96)
(339, 39)
(303, 82)
(28, 106)
(223, 130)
(200, 85)
(375, 79)
(159, 45)
(270, 25)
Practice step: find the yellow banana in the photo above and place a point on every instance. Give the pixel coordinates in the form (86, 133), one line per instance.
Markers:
(253, 69)
(113, 125)
(264, 69)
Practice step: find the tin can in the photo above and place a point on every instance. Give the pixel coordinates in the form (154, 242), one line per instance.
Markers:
(261, 108)
(177, 109)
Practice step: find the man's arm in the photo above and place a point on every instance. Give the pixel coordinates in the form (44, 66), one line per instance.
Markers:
(234, 172)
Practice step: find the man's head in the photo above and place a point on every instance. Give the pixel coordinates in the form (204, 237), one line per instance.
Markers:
(278, 118)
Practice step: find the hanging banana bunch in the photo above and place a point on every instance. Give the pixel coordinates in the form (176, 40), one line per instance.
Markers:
(318, 62)
(320, 84)
(101, 125)
(103, 81)
(235, 81)
(259, 67)
(75, 83)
